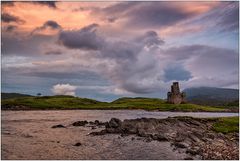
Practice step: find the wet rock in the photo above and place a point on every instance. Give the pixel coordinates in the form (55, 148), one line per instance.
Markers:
(113, 130)
(180, 137)
(96, 122)
(99, 123)
(194, 138)
(210, 135)
(77, 144)
(102, 123)
(188, 158)
(191, 135)
(148, 139)
(102, 132)
(128, 128)
(114, 123)
(141, 134)
(58, 126)
(159, 137)
(80, 123)
(94, 127)
(199, 134)
(192, 151)
(180, 144)
(27, 135)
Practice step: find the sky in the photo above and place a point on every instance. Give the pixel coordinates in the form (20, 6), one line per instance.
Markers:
(107, 50)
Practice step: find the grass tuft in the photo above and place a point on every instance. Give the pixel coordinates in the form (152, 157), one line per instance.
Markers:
(227, 125)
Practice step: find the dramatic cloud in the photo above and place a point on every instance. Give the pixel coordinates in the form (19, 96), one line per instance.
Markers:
(150, 38)
(86, 38)
(22, 46)
(139, 65)
(157, 15)
(151, 14)
(228, 17)
(64, 89)
(7, 18)
(112, 49)
(209, 66)
(129, 62)
(48, 24)
(10, 28)
(50, 4)
(223, 18)
(53, 52)
(176, 73)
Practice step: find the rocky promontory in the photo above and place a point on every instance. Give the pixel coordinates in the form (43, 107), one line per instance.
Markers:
(193, 136)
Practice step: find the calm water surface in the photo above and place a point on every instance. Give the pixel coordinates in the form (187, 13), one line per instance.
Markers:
(28, 135)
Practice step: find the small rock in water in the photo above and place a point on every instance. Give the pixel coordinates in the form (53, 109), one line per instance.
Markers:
(80, 123)
(78, 144)
(58, 126)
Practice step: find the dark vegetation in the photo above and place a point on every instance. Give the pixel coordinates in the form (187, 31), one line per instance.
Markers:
(70, 102)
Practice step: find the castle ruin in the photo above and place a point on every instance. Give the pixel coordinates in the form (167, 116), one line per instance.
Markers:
(175, 96)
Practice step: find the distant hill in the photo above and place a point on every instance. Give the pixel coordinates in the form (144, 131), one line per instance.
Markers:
(13, 95)
(213, 96)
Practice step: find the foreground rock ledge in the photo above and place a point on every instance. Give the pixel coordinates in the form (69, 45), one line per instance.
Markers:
(193, 136)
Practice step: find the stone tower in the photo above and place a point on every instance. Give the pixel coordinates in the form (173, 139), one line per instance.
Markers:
(175, 96)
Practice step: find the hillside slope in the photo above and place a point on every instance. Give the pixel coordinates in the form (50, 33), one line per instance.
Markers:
(212, 96)
(70, 102)
(13, 95)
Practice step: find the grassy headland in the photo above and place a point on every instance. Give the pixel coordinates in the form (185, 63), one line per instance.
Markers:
(70, 102)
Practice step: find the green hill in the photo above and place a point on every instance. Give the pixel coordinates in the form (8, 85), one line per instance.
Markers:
(213, 96)
(70, 102)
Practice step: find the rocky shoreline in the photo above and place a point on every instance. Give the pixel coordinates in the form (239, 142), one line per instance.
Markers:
(193, 136)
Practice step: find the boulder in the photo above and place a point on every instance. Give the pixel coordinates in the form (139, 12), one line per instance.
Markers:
(114, 123)
(80, 123)
(180, 145)
(159, 137)
(77, 144)
(58, 126)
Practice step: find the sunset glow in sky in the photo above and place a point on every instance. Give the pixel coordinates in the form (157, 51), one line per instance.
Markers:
(106, 50)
